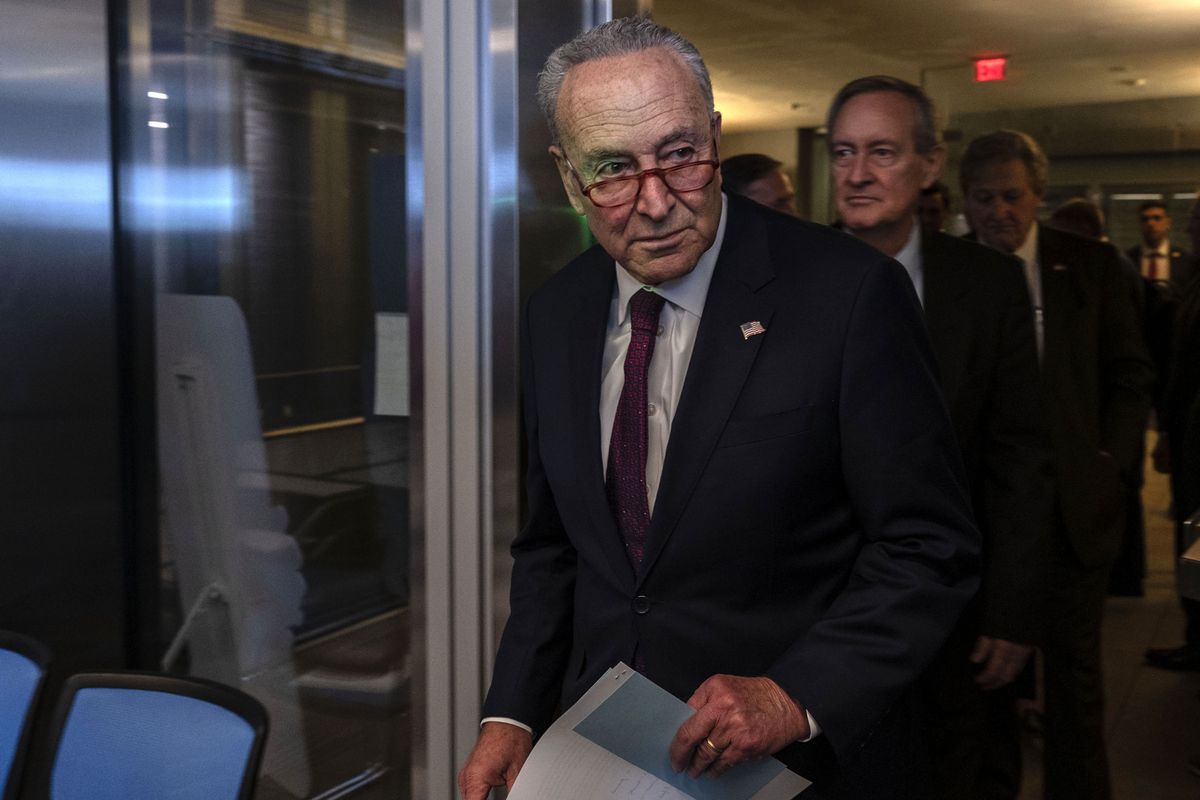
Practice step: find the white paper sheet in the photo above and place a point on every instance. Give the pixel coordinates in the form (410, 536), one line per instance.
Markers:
(569, 763)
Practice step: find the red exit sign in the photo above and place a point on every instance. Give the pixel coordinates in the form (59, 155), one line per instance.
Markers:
(990, 69)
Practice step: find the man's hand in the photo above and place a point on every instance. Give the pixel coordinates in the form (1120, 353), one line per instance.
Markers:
(497, 758)
(1002, 661)
(736, 719)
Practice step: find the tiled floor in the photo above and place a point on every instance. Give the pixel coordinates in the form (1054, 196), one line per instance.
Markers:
(1153, 715)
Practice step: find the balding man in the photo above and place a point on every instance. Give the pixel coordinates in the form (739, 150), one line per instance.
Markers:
(742, 478)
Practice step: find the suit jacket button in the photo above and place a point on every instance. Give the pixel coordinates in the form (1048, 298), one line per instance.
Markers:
(641, 604)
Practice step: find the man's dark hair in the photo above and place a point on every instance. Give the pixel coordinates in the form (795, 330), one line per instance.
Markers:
(1149, 204)
(941, 190)
(738, 172)
(618, 37)
(925, 128)
(1079, 215)
(1000, 146)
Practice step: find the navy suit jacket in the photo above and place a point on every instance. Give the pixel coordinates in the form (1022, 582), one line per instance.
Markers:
(1096, 380)
(980, 323)
(811, 525)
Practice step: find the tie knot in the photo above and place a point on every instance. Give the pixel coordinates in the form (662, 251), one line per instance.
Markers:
(644, 308)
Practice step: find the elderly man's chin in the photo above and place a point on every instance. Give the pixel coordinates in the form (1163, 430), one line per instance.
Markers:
(653, 264)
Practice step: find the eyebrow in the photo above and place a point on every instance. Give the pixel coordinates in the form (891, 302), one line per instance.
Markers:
(687, 134)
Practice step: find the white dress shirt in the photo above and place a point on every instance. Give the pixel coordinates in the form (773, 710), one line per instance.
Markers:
(677, 326)
(1162, 264)
(910, 258)
(1028, 253)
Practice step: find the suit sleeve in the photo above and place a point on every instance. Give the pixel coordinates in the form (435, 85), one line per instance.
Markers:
(528, 674)
(919, 561)
(1016, 500)
(1126, 371)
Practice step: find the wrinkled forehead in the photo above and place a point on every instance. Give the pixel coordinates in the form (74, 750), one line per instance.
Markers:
(632, 93)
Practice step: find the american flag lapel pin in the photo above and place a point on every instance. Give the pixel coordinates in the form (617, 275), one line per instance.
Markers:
(1059, 268)
(752, 328)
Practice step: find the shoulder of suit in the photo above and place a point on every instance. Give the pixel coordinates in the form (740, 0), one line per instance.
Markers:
(793, 241)
(591, 270)
(968, 254)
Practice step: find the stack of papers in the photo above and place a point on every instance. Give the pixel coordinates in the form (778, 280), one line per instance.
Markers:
(615, 743)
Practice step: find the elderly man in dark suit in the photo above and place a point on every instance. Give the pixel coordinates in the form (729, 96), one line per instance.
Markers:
(884, 150)
(742, 478)
(1096, 378)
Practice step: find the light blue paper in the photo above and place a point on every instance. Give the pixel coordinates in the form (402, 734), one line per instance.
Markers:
(638, 722)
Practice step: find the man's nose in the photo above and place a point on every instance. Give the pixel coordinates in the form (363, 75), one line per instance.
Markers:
(860, 171)
(655, 198)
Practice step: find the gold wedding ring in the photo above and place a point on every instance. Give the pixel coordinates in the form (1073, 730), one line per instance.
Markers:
(713, 747)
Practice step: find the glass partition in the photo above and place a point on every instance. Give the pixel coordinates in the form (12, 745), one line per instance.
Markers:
(262, 194)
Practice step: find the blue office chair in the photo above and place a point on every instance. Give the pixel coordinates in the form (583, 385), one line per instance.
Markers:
(23, 663)
(150, 736)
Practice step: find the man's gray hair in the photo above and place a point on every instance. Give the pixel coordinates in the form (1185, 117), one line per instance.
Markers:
(618, 37)
(925, 128)
(998, 147)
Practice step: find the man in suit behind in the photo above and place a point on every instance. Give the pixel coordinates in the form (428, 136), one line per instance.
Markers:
(1096, 380)
(742, 478)
(1157, 261)
(1179, 451)
(1166, 271)
(884, 151)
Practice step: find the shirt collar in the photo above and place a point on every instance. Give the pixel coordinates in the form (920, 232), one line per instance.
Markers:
(687, 291)
(910, 254)
(1027, 252)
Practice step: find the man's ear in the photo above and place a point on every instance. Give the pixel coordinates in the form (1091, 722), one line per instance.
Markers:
(568, 179)
(935, 159)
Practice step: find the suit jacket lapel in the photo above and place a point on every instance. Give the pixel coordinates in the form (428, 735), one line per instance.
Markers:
(721, 360)
(586, 352)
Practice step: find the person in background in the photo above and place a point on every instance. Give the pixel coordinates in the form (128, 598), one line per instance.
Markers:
(1084, 218)
(1157, 261)
(1179, 431)
(742, 478)
(1096, 378)
(1081, 217)
(761, 178)
(884, 152)
(934, 207)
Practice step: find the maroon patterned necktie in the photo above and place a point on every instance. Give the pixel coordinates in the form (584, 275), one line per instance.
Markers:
(626, 479)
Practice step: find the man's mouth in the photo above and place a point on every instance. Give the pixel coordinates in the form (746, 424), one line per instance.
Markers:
(664, 241)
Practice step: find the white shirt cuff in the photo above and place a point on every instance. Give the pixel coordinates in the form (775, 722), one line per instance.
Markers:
(814, 730)
(520, 725)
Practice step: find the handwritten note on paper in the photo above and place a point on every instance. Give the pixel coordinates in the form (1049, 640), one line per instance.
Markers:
(614, 743)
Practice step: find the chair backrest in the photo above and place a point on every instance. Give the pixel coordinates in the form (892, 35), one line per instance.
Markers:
(23, 663)
(150, 736)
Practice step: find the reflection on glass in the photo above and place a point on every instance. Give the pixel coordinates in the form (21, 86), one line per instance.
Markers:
(271, 212)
